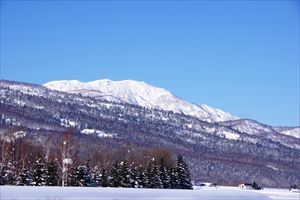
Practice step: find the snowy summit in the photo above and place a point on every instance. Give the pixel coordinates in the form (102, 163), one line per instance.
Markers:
(139, 93)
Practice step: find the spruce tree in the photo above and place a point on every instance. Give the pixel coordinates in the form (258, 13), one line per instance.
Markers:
(2, 180)
(104, 178)
(141, 178)
(174, 179)
(156, 176)
(134, 176)
(81, 177)
(183, 174)
(39, 173)
(164, 174)
(52, 174)
(10, 174)
(254, 185)
(116, 177)
(74, 177)
(88, 181)
(25, 177)
(149, 175)
(96, 176)
(153, 175)
(125, 175)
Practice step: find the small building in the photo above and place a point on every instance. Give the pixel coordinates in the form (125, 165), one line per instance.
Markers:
(246, 186)
(208, 184)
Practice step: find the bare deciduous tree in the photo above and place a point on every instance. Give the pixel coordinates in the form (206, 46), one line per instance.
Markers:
(6, 147)
(66, 155)
(47, 149)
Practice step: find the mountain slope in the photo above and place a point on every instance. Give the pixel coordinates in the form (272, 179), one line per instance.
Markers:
(284, 135)
(139, 93)
(290, 131)
(223, 152)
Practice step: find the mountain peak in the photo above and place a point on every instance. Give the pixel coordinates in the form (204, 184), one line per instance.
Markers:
(139, 93)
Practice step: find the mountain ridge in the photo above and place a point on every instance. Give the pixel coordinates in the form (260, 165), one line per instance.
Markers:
(142, 94)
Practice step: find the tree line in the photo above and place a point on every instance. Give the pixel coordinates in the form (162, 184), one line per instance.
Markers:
(156, 174)
(61, 161)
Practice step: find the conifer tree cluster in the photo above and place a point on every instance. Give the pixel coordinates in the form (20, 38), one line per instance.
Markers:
(154, 174)
(39, 173)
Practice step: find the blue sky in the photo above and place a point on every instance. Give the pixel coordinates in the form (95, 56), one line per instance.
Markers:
(241, 57)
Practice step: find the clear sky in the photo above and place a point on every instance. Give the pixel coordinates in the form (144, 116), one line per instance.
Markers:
(241, 57)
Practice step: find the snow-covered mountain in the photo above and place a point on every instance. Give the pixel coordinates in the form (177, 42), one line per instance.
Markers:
(290, 131)
(242, 148)
(142, 94)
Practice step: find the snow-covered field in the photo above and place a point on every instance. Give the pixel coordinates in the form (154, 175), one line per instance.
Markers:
(81, 193)
(272, 193)
(281, 194)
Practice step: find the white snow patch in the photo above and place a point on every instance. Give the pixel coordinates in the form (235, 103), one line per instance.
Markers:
(68, 161)
(13, 136)
(88, 131)
(272, 167)
(19, 134)
(210, 130)
(231, 136)
(292, 132)
(164, 118)
(97, 132)
(20, 103)
(190, 141)
(189, 125)
(8, 121)
(68, 123)
(39, 107)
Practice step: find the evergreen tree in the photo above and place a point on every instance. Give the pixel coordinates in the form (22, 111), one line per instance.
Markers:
(2, 180)
(39, 173)
(141, 178)
(153, 175)
(116, 176)
(183, 174)
(104, 178)
(134, 176)
(156, 176)
(25, 177)
(52, 174)
(88, 181)
(254, 185)
(81, 176)
(11, 174)
(125, 175)
(149, 175)
(164, 174)
(174, 179)
(8, 175)
(74, 177)
(96, 176)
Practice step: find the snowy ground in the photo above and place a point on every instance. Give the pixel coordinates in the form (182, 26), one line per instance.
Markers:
(281, 194)
(80, 193)
(272, 193)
